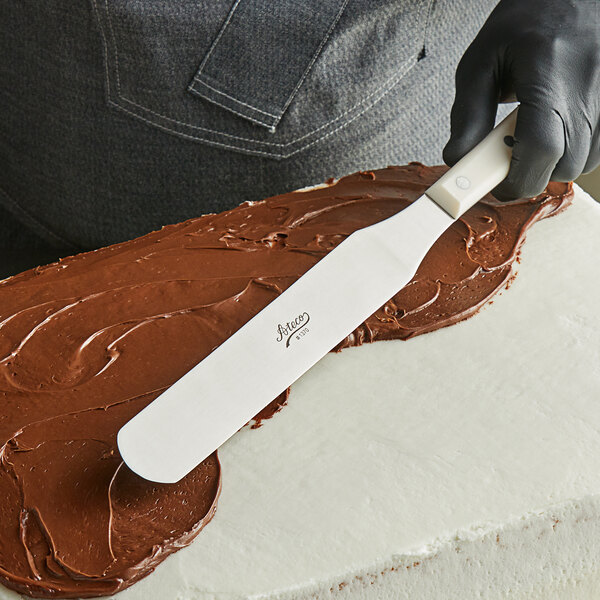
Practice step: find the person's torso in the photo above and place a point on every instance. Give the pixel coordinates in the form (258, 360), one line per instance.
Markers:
(120, 116)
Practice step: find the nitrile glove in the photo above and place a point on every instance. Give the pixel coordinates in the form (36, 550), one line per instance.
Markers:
(547, 54)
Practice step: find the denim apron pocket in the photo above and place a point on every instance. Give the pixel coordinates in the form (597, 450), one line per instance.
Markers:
(256, 76)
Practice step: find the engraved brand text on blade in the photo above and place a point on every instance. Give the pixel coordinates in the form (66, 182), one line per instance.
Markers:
(287, 330)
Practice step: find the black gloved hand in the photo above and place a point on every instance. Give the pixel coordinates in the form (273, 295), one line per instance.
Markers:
(547, 53)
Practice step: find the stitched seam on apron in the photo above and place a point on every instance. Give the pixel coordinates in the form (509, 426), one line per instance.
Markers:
(276, 117)
(385, 87)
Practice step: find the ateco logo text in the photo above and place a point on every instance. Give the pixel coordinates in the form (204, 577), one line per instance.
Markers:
(293, 329)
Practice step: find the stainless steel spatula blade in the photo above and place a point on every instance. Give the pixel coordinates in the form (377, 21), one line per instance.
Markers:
(190, 420)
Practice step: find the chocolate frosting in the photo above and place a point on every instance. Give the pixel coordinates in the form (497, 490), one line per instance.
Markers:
(87, 342)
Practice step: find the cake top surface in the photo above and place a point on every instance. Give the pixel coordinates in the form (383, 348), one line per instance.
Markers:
(89, 341)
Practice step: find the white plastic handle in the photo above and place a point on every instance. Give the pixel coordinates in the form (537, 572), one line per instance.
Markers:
(478, 172)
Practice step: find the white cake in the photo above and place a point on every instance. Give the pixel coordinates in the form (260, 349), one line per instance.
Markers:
(471, 472)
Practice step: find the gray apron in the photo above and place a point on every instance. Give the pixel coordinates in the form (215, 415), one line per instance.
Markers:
(120, 116)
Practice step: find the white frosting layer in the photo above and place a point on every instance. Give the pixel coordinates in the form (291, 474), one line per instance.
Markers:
(462, 463)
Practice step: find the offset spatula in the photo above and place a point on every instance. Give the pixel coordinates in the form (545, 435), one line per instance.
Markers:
(190, 420)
